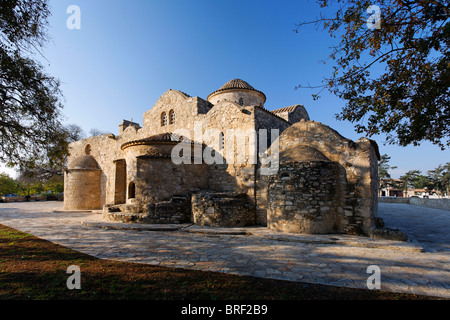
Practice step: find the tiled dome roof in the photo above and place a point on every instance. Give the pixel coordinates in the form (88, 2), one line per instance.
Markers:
(84, 162)
(286, 109)
(167, 137)
(236, 84)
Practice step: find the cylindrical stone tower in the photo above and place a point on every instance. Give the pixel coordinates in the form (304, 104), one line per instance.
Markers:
(82, 184)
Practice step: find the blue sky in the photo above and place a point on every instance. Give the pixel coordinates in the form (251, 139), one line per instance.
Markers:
(128, 53)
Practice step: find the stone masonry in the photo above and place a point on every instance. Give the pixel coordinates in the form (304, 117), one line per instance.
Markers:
(207, 161)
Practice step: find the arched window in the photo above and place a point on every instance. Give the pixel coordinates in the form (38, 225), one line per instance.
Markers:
(131, 190)
(171, 117)
(221, 141)
(241, 101)
(87, 149)
(163, 119)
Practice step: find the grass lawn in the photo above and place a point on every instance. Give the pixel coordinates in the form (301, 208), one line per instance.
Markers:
(35, 269)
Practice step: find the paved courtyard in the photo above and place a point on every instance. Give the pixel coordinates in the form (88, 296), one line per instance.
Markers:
(420, 266)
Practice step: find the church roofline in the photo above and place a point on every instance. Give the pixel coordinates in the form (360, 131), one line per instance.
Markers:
(236, 85)
(287, 109)
(165, 138)
(272, 114)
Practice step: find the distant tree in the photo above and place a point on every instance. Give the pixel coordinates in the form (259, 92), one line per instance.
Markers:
(7, 184)
(37, 182)
(423, 182)
(74, 133)
(30, 100)
(446, 178)
(384, 167)
(407, 97)
(96, 132)
(409, 179)
(29, 184)
(42, 170)
(54, 184)
(438, 177)
(383, 171)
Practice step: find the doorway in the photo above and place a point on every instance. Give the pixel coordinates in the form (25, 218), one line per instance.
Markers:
(120, 182)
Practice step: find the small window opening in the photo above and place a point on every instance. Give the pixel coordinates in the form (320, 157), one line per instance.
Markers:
(131, 190)
(87, 149)
(171, 117)
(221, 141)
(163, 119)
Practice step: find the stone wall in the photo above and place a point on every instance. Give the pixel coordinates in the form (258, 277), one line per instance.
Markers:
(82, 189)
(104, 149)
(423, 202)
(359, 160)
(393, 200)
(159, 179)
(174, 211)
(238, 172)
(265, 120)
(430, 203)
(307, 197)
(222, 209)
(292, 114)
(187, 110)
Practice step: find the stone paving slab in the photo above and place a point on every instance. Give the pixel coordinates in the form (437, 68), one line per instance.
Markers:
(428, 226)
(337, 239)
(134, 226)
(330, 259)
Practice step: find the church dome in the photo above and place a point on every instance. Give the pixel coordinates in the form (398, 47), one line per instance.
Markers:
(157, 146)
(84, 162)
(238, 91)
(301, 153)
(236, 84)
(162, 138)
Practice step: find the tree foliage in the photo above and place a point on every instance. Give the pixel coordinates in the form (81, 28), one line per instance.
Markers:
(384, 167)
(383, 171)
(27, 185)
(96, 132)
(409, 179)
(437, 179)
(409, 100)
(440, 178)
(30, 129)
(7, 184)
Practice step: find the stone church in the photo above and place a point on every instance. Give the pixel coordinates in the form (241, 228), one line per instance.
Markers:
(227, 161)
